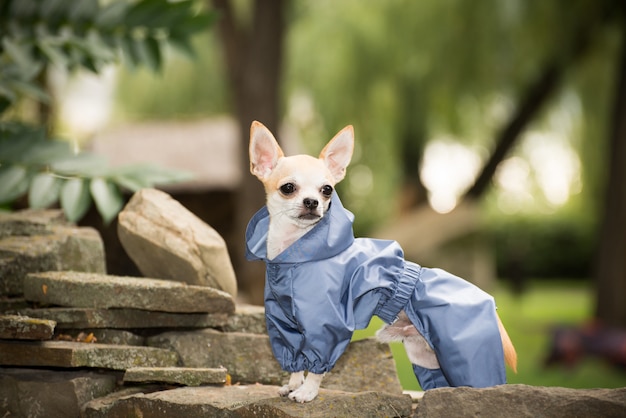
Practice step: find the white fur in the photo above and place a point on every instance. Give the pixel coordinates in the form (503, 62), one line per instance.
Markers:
(417, 348)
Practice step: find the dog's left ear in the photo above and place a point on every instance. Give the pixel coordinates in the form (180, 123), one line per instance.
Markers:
(338, 153)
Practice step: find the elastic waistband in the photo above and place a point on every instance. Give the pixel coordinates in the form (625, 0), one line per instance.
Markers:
(388, 308)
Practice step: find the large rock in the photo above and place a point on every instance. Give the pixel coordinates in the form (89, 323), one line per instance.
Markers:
(75, 354)
(366, 364)
(105, 291)
(167, 241)
(522, 401)
(256, 401)
(48, 394)
(72, 318)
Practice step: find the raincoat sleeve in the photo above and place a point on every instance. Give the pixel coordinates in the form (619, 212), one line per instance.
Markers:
(309, 328)
(459, 322)
(335, 296)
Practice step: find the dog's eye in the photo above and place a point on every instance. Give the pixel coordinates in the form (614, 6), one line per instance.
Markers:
(327, 190)
(288, 188)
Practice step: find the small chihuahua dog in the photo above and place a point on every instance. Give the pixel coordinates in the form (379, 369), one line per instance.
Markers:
(300, 193)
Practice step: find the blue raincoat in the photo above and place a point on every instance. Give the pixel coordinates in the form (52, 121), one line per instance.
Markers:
(328, 284)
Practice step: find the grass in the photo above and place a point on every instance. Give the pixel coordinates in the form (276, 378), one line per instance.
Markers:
(528, 320)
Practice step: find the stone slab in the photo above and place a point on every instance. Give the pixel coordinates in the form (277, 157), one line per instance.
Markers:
(522, 401)
(165, 240)
(30, 222)
(75, 354)
(257, 401)
(10, 305)
(366, 364)
(15, 266)
(50, 394)
(78, 318)
(247, 318)
(25, 328)
(177, 375)
(102, 336)
(91, 290)
(82, 249)
(248, 357)
(62, 248)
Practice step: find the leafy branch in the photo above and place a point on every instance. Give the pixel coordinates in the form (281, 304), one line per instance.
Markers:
(50, 172)
(82, 34)
(71, 34)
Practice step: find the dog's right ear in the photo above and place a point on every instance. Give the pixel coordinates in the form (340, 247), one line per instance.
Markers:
(264, 151)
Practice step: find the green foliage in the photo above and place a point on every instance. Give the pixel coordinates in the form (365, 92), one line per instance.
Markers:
(50, 172)
(73, 34)
(193, 88)
(404, 72)
(83, 34)
(543, 246)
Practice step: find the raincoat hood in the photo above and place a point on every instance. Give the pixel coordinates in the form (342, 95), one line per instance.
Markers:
(329, 237)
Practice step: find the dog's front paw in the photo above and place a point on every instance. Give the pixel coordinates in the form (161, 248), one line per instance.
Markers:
(295, 381)
(284, 390)
(308, 391)
(304, 394)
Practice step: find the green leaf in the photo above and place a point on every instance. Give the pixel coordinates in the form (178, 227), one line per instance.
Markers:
(112, 14)
(75, 198)
(145, 13)
(85, 10)
(125, 44)
(183, 43)
(83, 163)
(44, 190)
(199, 22)
(13, 182)
(9, 95)
(149, 52)
(54, 10)
(47, 152)
(53, 52)
(30, 89)
(108, 198)
(17, 140)
(17, 53)
(129, 182)
(148, 175)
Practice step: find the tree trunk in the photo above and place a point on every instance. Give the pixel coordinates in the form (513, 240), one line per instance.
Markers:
(412, 139)
(610, 269)
(254, 62)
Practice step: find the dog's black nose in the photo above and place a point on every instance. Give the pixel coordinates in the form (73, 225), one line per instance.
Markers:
(310, 203)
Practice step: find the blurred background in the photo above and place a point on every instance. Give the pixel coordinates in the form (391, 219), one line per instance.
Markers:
(491, 138)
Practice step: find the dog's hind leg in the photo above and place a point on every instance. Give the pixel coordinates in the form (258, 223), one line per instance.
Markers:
(416, 346)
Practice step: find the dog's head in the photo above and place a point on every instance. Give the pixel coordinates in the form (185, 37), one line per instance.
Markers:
(299, 187)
